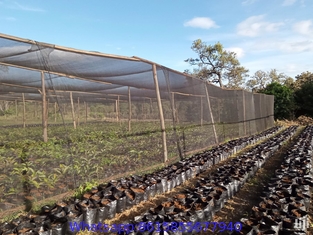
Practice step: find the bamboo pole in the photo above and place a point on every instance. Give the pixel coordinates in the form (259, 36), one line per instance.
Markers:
(77, 111)
(118, 108)
(244, 112)
(44, 107)
(24, 110)
(35, 110)
(86, 112)
(16, 108)
(173, 106)
(73, 112)
(129, 110)
(156, 83)
(116, 113)
(211, 114)
(55, 111)
(47, 114)
(201, 111)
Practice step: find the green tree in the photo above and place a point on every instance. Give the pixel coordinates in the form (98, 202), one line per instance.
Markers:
(261, 79)
(283, 100)
(216, 65)
(303, 78)
(304, 99)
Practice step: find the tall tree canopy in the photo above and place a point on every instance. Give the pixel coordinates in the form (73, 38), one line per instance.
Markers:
(283, 100)
(304, 99)
(261, 79)
(303, 78)
(216, 65)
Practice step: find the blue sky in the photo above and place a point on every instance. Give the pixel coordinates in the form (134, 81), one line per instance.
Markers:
(265, 34)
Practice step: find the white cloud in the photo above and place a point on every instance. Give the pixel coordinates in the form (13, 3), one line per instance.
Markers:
(290, 45)
(201, 22)
(304, 27)
(255, 25)
(288, 64)
(295, 47)
(248, 2)
(18, 6)
(239, 51)
(288, 2)
(10, 19)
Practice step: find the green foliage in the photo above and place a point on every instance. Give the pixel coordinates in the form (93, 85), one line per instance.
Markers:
(215, 64)
(302, 78)
(85, 188)
(283, 101)
(304, 99)
(261, 79)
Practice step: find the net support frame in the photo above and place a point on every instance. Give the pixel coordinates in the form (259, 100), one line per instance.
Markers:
(157, 90)
(129, 110)
(24, 110)
(211, 114)
(244, 112)
(73, 112)
(44, 109)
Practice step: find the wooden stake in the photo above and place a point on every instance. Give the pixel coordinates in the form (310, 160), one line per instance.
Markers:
(156, 83)
(201, 111)
(244, 112)
(24, 109)
(44, 107)
(116, 112)
(210, 111)
(86, 112)
(16, 108)
(73, 112)
(129, 110)
(77, 111)
(55, 111)
(47, 114)
(118, 108)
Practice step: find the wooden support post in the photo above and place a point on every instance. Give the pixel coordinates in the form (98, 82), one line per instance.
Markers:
(129, 110)
(156, 83)
(44, 107)
(244, 112)
(73, 112)
(86, 112)
(78, 111)
(24, 110)
(16, 108)
(47, 115)
(118, 108)
(55, 111)
(116, 113)
(210, 111)
(201, 111)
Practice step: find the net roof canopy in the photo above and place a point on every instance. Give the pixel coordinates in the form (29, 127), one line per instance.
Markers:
(92, 76)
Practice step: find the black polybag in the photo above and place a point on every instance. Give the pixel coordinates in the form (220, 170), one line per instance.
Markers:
(120, 204)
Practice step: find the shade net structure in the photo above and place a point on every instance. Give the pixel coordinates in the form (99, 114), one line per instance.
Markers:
(70, 117)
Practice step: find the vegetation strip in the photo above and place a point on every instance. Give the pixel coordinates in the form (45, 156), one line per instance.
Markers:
(219, 157)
